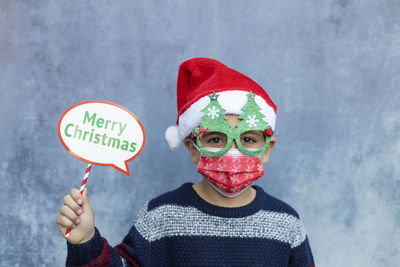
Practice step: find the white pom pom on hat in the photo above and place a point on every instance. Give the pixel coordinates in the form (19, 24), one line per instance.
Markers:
(200, 77)
(172, 136)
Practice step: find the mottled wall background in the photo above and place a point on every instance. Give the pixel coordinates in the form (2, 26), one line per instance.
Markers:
(332, 67)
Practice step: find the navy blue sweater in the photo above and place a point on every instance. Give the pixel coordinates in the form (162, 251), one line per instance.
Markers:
(179, 228)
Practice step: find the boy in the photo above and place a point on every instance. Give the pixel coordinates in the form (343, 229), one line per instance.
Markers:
(226, 122)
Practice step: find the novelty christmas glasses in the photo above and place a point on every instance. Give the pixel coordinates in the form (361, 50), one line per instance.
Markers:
(214, 136)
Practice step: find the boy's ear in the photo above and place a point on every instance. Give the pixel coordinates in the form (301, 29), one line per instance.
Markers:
(265, 157)
(194, 153)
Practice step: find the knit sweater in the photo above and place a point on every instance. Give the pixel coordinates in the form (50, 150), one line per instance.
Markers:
(179, 228)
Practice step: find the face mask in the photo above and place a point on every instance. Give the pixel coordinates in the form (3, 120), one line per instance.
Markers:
(231, 173)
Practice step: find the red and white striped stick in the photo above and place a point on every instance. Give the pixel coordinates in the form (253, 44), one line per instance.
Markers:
(81, 190)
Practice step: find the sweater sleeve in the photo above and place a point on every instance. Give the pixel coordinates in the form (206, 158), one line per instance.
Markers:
(301, 256)
(300, 251)
(133, 251)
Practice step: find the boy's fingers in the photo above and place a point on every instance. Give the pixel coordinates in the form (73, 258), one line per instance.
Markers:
(64, 221)
(72, 204)
(76, 195)
(69, 213)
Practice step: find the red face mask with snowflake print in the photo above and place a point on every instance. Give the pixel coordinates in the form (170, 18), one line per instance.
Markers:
(231, 173)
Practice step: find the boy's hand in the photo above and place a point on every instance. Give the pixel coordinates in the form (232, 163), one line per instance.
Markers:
(76, 214)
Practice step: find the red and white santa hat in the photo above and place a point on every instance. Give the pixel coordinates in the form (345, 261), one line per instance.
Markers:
(200, 77)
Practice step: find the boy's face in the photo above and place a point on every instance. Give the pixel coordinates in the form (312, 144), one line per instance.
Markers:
(252, 139)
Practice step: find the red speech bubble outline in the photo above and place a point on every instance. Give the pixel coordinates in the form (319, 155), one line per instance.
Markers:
(128, 172)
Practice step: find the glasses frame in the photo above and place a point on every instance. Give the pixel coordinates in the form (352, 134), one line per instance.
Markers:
(234, 134)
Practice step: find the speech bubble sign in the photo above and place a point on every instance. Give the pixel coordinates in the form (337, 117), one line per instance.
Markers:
(102, 133)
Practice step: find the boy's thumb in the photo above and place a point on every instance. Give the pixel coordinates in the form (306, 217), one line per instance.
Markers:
(85, 199)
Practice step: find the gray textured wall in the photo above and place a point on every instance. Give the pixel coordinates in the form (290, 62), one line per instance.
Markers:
(332, 67)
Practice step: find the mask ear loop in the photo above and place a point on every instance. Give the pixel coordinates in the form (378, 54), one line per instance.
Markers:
(196, 146)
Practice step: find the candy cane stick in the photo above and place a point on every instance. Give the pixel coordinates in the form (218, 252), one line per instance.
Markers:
(81, 190)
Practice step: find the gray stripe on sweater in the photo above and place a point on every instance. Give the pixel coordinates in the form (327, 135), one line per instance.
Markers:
(175, 220)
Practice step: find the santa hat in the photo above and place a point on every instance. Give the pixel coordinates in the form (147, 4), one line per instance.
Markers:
(200, 77)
